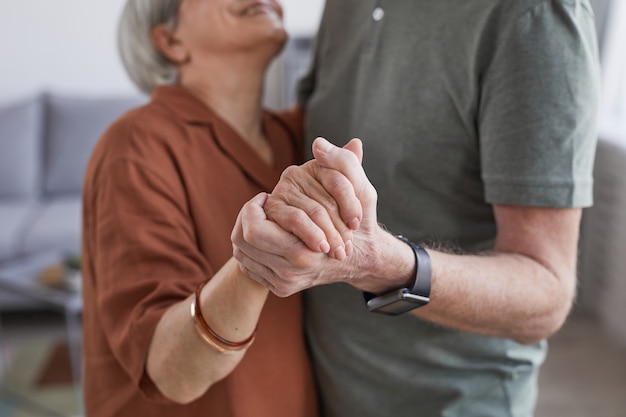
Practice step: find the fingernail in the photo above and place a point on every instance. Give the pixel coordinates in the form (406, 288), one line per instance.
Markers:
(354, 224)
(324, 145)
(340, 253)
(349, 248)
(325, 246)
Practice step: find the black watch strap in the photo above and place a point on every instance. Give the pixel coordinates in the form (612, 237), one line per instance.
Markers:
(402, 300)
(421, 282)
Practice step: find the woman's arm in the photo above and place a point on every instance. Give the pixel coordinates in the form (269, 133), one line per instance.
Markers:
(147, 266)
(180, 363)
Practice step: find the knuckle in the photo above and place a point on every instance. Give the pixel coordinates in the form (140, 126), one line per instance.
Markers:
(372, 193)
(274, 208)
(350, 155)
(251, 232)
(302, 259)
(291, 171)
(281, 294)
(338, 183)
(368, 194)
(327, 203)
(317, 212)
(346, 159)
(297, 217)
(281, 290)
(271, 202)
(234, 237)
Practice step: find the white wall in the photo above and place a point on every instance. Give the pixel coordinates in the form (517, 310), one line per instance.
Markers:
(613, 123)
(69, 46)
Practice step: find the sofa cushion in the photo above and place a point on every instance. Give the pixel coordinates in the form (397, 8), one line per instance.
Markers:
(14, 216)
(55, 226)
(20, 141)
(73, 126)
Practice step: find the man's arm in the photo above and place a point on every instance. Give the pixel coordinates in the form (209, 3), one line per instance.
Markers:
(523, 290)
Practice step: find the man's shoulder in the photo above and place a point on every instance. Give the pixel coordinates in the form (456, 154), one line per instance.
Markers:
(518, 8)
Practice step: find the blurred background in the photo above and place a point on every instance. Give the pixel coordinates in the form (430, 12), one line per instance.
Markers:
(62, 83)
(69, 46)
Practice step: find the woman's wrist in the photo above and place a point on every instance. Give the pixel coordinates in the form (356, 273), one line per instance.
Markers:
(244, 280)
(231, 303)
(206, 332)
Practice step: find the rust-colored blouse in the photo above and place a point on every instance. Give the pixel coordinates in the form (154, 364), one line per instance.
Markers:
(162, 192)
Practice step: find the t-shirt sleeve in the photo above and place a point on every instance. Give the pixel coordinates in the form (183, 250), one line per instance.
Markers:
(146, 258)
(538, 108)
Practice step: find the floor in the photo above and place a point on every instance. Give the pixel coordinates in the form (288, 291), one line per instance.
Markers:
(26, 340)
(584, 375)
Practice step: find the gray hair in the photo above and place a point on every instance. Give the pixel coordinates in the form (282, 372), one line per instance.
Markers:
(146, 66)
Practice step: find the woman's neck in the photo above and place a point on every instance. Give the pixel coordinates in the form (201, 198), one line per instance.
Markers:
(232, 88)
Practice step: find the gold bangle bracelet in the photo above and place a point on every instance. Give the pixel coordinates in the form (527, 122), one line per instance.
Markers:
(209, 335)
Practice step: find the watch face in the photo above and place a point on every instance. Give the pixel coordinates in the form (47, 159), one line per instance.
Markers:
(396, 302)
(398, 307)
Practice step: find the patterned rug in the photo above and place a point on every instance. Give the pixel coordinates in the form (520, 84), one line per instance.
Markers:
(36, 380)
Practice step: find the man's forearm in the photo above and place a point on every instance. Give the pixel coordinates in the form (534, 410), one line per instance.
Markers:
(522, 291)
(499, 294)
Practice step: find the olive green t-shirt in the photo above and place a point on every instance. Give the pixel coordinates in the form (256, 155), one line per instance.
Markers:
(460, 105)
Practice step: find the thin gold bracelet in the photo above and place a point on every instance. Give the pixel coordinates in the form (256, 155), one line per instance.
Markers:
(213, 339)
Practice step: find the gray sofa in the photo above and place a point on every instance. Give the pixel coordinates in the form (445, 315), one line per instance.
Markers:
(45, 143)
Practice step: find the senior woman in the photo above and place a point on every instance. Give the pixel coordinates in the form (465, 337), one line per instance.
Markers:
(172, 326)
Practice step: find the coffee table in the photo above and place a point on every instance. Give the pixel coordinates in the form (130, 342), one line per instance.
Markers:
(21, 277)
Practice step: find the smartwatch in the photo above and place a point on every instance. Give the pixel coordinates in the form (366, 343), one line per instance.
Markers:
(405, 299)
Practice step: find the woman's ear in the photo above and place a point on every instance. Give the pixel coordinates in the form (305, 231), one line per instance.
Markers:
(165, 42)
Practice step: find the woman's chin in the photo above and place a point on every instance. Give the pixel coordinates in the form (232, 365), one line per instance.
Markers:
(281, 36)
(278, 38)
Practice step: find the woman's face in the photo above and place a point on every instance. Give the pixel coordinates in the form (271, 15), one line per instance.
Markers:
(215, 26)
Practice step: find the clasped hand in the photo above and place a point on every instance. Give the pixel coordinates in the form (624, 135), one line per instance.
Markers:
(317, 227)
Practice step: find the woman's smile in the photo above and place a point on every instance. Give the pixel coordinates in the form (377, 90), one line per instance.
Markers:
(262, 7)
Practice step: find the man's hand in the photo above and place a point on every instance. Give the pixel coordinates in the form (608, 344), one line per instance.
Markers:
(272, 252)
(318, 204)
